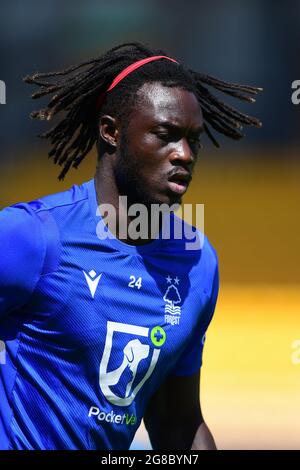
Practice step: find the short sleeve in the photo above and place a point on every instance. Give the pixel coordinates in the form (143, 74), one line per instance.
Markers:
(191, 360)
(22, 253)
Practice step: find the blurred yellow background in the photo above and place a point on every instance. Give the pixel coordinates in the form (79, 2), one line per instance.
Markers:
(250, 387)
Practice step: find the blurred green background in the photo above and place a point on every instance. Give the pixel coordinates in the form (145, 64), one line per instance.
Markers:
(250, 188)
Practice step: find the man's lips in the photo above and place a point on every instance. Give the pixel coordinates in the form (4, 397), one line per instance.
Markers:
(179, 182)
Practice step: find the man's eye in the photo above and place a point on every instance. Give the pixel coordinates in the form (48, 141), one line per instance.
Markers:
(163, 136)
(167, 137)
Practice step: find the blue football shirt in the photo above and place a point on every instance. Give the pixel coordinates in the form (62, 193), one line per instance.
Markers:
(91, 325)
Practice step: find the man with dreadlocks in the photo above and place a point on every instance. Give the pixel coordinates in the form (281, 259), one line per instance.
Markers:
(102, 331)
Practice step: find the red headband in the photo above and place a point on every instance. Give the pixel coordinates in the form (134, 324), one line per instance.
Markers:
(128, 70)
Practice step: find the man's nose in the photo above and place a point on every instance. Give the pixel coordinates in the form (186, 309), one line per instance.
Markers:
(182, 152)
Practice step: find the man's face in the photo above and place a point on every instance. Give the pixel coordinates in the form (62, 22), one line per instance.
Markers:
(158, 149)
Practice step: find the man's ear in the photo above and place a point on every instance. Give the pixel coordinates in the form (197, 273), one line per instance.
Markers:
(108, 130)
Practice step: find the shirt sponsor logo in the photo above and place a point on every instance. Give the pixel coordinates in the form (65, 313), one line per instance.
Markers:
(135, 362)
(111, 417)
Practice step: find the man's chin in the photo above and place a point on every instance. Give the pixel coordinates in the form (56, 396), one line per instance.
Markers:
(168, 200)
(172, 198)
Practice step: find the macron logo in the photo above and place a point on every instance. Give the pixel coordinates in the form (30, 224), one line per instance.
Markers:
(92, 281)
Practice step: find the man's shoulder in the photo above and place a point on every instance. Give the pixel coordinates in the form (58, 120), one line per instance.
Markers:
(30, 223)
(52, 209)
(69, 197)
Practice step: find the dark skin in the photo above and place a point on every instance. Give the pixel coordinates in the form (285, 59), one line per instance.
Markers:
(161, 139)
(140, 160)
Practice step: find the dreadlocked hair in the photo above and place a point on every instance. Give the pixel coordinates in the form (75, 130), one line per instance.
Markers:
(76, 92)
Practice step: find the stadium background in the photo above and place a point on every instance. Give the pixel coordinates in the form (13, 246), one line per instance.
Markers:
(250, 384)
